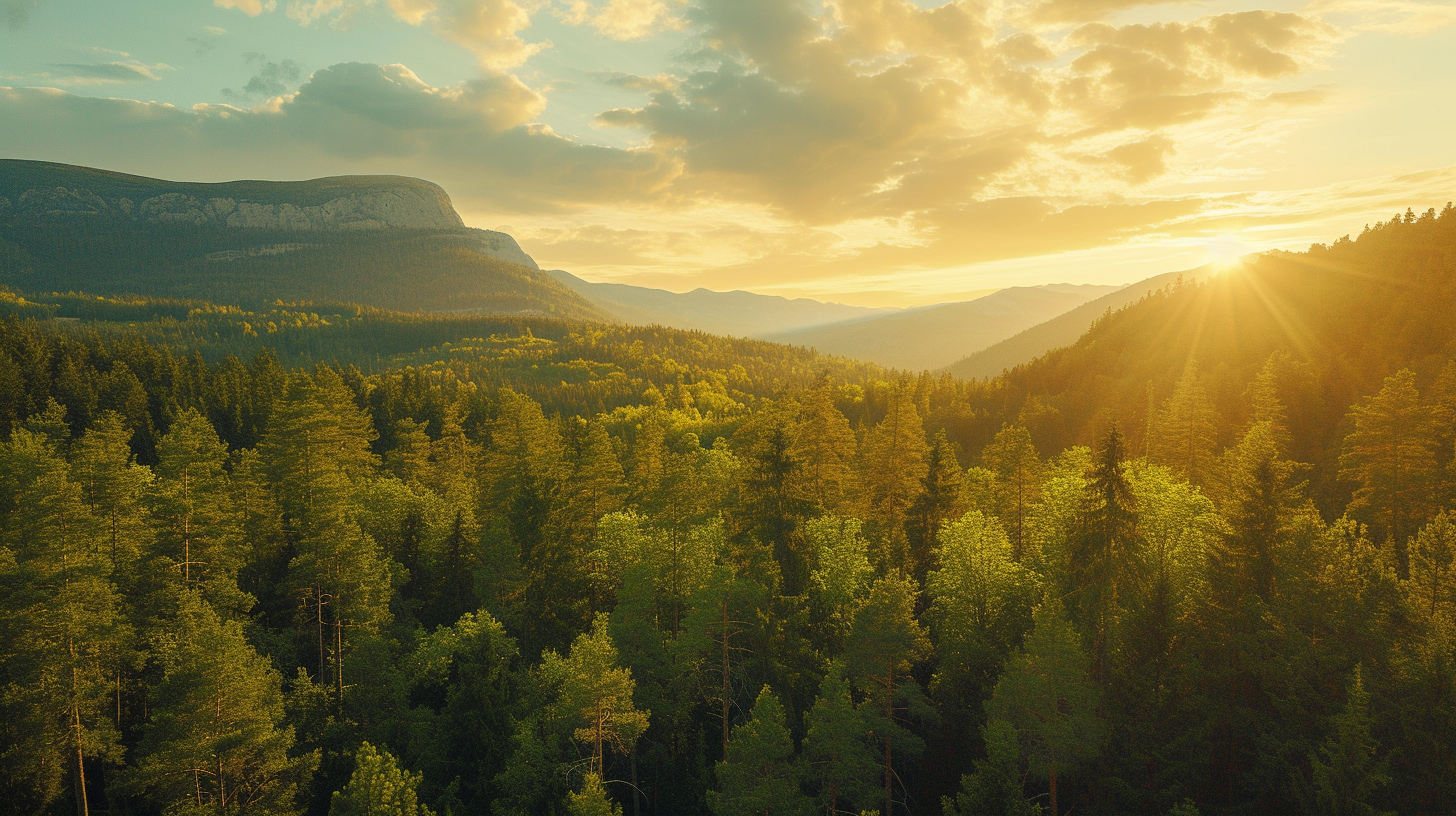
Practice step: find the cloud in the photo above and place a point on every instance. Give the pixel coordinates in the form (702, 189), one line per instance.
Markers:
(17, 12)
(1081, 11)
(105, 73)
(252, 8)
(207, 40)
(474, 137)
(623, 19)
(489, 28)
(270, 79)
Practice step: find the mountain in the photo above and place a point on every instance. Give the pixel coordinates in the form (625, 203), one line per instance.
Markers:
(731, 314)
(1061, 330)
(384, 241)
(934, 336)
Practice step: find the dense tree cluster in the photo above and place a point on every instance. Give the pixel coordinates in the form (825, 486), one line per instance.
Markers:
(454, 587)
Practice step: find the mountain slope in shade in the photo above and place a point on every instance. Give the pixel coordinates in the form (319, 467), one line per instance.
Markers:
(934, 336)
(384, 241)
(1062, 330)
(732, 314)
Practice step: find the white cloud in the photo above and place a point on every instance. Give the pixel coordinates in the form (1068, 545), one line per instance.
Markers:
(252, 8)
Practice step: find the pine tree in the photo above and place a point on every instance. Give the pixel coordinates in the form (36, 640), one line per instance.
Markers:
(895, 463)
(1389, 457)
(883, 643)
(63, 637)
(1433, 565)
(1106, 553)
(114, 486)
(199, 532)
(597, 693)
(940, 499)
(1185, 430)
(994, 788)
(591, 800)
(216, 742)
(837, 755)
(825, 448)
(1346, 772)
(758, 775)
(378, 787)
(1013, 459)
(1047, 696)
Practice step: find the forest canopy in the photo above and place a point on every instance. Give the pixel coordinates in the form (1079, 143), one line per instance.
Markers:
(333, 560)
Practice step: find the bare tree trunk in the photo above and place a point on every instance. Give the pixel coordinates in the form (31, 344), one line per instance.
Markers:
(339, 660)
(725, 676)
(1052, 773)
(83, 807)
(890, 723)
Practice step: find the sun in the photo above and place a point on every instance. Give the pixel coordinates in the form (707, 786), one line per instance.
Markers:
(1227, 252)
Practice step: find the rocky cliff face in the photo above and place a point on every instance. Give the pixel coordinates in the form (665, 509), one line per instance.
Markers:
(412, 205)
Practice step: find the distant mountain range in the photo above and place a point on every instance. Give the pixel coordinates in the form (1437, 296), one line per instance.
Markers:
(1062, 329)
(932, 337)
(397, 243)
(384, 241)
(732, 314)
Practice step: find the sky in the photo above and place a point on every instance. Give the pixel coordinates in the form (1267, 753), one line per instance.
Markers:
(873, 152)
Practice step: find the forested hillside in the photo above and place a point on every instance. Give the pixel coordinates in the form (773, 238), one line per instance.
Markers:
(381, 241)
(343, 561)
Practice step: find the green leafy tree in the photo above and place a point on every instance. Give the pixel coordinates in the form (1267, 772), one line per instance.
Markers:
(758, 775)
(940, 498)
(114, 486)
(216, 741)
(378, 787)
(836, 752)
(1047, 696)
(841, 575)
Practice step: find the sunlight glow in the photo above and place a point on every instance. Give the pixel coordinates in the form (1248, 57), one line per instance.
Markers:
(1226, 251)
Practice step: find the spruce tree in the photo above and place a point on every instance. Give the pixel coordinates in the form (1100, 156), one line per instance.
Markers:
(839, 761)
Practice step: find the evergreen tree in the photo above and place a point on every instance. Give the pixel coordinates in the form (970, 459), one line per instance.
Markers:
(837, 755)
(1047, 696)
(1184, 432)
(200, 533)
(1389, 457)
(1106, 553)
(939, 499)
(884, 641)
(758, 775)
(63, 637)
(1433, 566)
(114, 486)
(1346, 772)
(825, 448)
(1018, 470)
(591, 800)
(597, 694)
(994, 788)
(378, 787)
(216, 741)
(895, 454)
